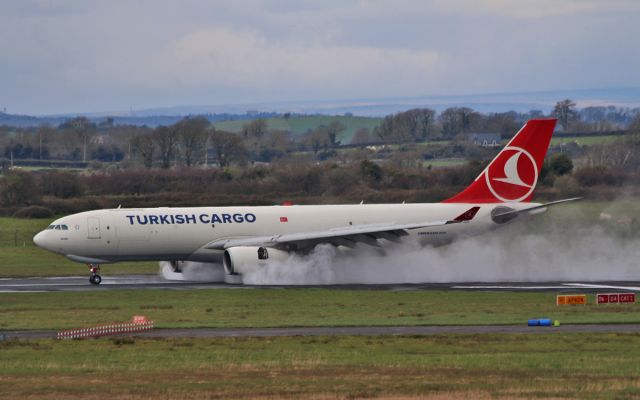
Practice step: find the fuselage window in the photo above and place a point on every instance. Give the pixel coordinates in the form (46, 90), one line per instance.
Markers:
(57, 227)
(50, 227)
(64, 227)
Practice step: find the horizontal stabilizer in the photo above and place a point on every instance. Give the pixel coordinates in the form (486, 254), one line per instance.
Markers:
(507, 215)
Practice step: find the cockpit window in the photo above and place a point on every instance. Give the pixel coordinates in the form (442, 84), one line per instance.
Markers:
(58, 227)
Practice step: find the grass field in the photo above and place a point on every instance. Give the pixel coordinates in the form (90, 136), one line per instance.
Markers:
(584, 366)
(29, 261)
(20, 231)
(445, 162)
(302, 124)
(295, 307)
(584, 141)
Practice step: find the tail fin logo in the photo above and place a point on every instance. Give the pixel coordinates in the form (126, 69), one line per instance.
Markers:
(512, 176)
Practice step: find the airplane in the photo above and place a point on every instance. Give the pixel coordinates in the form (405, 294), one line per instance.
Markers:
(244, 239)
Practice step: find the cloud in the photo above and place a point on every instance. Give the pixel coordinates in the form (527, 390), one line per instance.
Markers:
(81, 56)
(225, 56)
(536, 9)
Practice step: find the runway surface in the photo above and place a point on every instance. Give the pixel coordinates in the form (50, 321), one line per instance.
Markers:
(350, 331)
(81, 283)
(146, 282)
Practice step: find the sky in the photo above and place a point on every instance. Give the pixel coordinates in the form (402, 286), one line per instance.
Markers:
(65, 56)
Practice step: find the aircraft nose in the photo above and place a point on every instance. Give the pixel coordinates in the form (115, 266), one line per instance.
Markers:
(38, 239)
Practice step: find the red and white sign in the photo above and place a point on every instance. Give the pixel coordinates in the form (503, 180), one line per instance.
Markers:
(139, 324)
(615, 298)
(284, 219)
(627, 297)
(139, 319)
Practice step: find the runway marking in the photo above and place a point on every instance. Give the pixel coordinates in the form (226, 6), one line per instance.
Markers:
(43, 284)
(80, 283)
(24, 291)
(596, 286)
(509, 287)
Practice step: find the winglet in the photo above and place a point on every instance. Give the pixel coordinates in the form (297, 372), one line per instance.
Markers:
(465, 216)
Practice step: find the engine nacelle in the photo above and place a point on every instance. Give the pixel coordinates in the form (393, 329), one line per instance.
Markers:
(244, 259)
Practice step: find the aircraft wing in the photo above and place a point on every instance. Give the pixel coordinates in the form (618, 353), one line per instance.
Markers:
(345, 236)
(510, 214)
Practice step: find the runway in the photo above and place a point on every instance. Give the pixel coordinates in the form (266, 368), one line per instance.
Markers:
(81, 283)
(350, 331)
(149, 282)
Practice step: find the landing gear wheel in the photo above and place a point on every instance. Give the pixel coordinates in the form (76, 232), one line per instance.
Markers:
(95, 278)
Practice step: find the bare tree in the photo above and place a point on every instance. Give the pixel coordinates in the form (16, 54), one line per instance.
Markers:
(279, 140)
(361, 136)
(333, 130)
(470, 120)
(412, 125)
(144, 145)
(450, 121)
(455, 120)
(565, 112)
(421, 122)
(123, 135)
(317, 139)
(256, 128)
(44, 132)
(193, 135)
(634, 126)
(82, 129)
(166, 138)
(228, 147)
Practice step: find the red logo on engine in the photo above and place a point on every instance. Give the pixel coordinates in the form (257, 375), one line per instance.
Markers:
(513, 175)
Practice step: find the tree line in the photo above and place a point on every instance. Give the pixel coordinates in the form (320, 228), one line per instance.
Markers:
(602, 171)
(195, 141)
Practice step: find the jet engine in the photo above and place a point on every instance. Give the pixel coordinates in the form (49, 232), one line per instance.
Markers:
(502, 214)
(244, 259)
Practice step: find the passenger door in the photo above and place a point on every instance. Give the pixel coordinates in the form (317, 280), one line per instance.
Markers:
(93, 225)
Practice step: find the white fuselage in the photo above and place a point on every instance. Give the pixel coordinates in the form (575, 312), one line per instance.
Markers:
(113, 235)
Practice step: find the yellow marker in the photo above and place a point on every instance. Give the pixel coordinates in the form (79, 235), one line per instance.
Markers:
(566, 299)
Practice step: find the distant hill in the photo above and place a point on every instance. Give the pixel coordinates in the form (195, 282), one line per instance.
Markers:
(379, 107)
(23, 121)
(486, 103)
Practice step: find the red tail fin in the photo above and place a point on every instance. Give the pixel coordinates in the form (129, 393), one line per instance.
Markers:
(513, 174)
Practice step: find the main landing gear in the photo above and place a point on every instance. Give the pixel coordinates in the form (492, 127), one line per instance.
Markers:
(95, 278)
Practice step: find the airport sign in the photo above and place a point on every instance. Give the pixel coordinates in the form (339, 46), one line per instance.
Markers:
(570, 299)
(627, 298)
(615, 298)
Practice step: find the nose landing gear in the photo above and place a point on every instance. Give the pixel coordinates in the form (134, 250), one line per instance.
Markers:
(95, 278)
